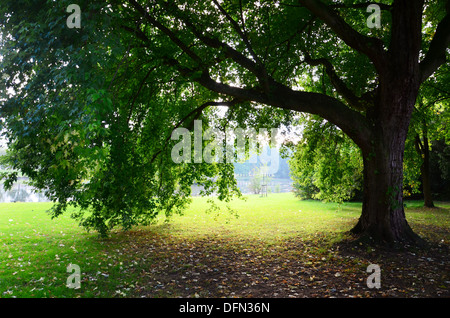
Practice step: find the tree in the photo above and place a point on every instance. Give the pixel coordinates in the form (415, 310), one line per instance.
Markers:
(326, 164)
(259, 179)
(147, 64)
(440, 169)
(323, 148)
(429, 123)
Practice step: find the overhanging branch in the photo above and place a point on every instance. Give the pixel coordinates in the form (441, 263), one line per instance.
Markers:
(195, 111)
(166, 31)
(340, 86)
(371, 47)
(436, 55)
(269, 92)
(350, 121)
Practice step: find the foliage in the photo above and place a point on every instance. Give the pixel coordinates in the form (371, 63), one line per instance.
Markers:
(326, 164)
(429, 125)
(85, 131)
(320, 150)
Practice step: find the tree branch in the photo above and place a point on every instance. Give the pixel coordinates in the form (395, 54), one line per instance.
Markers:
(436, 55)
(141, 35)
(386, 7)
(247, 94)
(371, 47)
(340, 86)
(382, 6)
(418, 145)
(166, 31)
(350, 121)
(447, 93)
(246, 41)
(238, 31)
(195, 111)
(353, 123)
(138, 92)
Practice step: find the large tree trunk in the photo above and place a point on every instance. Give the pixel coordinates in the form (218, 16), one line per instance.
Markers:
(383, 216)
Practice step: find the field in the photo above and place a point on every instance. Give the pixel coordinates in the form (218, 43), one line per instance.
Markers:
(276, 246)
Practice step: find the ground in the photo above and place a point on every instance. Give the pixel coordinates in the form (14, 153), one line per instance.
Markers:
(273, 247)
(212, 267)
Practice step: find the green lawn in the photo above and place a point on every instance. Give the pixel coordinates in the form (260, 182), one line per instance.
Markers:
(35, 250)
(270, 218)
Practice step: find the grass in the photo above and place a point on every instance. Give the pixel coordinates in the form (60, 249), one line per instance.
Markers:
(270, 218)
(35, 250)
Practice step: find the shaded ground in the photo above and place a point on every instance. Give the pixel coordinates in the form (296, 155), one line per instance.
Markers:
(213, 267)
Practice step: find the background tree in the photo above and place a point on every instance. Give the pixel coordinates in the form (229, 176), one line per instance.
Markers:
(99, 103)
(326, 165)
(430, 122)
(440, 169)
(259, 179)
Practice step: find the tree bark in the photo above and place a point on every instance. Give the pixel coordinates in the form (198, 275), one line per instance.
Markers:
(383, 216)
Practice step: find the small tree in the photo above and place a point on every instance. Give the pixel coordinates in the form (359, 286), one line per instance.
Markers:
(259, 179)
